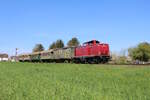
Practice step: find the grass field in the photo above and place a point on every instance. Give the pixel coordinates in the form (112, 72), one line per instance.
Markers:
(28, 81)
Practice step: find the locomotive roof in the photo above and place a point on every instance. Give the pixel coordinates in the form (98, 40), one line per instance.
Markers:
(91, 42)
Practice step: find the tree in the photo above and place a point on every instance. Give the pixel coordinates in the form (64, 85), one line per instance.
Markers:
(141, 52)
(73, 42)
(59, 44)
(38, 47)
(52, 46)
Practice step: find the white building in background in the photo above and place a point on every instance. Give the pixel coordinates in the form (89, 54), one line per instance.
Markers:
(4, 57)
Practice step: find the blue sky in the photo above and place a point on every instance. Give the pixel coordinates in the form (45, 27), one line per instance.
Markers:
(121, 23)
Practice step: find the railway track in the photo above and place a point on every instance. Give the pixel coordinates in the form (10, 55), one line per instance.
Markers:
(128, 64)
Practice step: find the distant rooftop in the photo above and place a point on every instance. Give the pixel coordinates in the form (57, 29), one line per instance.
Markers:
(4, 55)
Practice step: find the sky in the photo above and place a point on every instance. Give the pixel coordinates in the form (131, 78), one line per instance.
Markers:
(120, 23)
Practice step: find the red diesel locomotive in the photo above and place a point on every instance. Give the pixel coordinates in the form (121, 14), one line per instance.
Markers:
(92, 52)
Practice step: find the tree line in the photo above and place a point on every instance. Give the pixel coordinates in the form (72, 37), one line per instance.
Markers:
(57, 44)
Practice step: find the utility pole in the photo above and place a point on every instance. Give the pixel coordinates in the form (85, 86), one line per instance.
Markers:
(16, 54)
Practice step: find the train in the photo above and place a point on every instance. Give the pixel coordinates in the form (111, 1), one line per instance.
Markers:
(89, 52)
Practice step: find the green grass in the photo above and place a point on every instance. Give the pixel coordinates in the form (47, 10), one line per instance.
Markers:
(29, 81)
